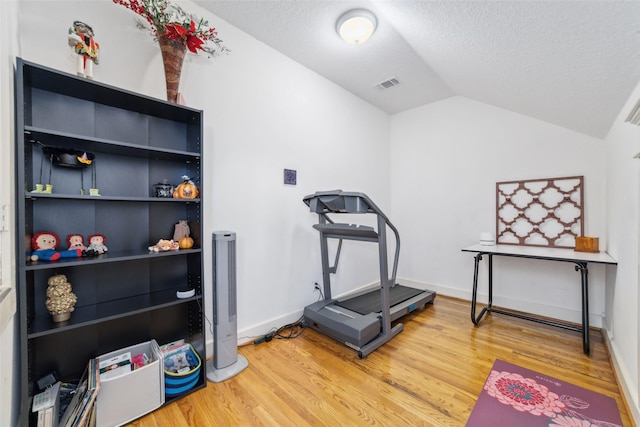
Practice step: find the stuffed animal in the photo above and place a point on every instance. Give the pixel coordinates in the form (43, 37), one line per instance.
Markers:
(44, 245)
(76, 241)
(97, 244)
(164, 245)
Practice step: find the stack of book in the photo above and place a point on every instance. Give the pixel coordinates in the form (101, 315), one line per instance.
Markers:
(81, 411)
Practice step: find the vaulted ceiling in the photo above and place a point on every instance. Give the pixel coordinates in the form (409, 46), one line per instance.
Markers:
(571, 63)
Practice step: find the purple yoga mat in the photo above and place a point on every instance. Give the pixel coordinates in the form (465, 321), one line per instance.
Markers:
(514, 396)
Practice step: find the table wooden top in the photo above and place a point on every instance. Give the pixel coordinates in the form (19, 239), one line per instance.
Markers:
(554, 254)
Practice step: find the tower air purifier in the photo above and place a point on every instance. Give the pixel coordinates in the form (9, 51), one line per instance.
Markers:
(226, 361)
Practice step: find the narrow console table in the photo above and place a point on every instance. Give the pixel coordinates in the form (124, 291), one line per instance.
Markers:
(580, 259)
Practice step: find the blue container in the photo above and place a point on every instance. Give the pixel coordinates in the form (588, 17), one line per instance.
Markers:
(176, 383)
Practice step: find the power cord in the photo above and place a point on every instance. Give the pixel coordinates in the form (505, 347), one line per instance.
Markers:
(205, 317)
(288, 331)
(294, 329)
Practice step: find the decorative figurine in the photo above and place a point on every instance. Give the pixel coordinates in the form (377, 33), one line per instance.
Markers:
(181, 234)
(163, 189)
(40, 186)
(94, 191)
(186, 189)
(76, 241)
(45, 244)
(60, 298)
(68, 158)
(96, 244)
(81, 40)
(181, 230)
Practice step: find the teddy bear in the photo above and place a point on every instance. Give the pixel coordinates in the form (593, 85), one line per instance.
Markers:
(44, 245)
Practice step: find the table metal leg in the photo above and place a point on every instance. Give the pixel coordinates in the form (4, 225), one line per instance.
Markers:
(584, 272)
(474, 296)
(580, 266)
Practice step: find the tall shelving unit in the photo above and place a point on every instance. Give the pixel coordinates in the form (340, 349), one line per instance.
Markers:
(128, 295)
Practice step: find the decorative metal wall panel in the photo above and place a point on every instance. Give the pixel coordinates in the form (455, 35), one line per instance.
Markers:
(540, 212)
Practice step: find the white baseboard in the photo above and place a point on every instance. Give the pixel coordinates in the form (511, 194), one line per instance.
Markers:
(250, 333)
(554, 312)
(630, 395)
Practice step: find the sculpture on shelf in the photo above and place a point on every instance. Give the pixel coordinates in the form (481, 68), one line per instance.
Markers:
(60, 298)
(81, 40)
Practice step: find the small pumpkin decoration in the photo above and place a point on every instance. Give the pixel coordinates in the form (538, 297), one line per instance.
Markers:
(185, 243)
(186, 189)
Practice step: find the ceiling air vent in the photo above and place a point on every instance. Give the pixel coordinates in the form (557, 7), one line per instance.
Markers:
(388, 84)
(634, 115)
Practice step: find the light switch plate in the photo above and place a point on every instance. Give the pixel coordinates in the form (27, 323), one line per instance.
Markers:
(290, 176)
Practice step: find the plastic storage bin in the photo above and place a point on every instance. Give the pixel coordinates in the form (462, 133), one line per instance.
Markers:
(177, 383)
(129, 396)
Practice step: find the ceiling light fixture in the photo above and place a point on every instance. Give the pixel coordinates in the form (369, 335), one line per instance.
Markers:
(356, 26)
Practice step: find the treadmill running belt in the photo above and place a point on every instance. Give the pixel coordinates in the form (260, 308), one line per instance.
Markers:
(370, 302)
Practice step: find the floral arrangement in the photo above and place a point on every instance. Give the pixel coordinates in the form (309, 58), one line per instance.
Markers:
(171, 21)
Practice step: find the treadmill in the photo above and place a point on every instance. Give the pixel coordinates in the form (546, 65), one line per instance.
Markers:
(363, 321)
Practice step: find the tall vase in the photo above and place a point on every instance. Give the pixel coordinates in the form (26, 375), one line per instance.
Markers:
(173, 52)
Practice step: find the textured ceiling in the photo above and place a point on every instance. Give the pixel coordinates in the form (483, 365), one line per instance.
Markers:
(571, 63)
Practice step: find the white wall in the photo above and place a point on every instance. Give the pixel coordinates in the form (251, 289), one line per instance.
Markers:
(623, 298)
(9, 346)
(446, 158)
(263, 113)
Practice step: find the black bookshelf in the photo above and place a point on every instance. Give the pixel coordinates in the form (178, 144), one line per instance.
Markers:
(127, 295)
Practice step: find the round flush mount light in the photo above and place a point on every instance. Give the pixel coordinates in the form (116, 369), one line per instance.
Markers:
(356, 26)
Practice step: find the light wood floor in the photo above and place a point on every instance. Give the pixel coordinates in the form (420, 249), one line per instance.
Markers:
(428, 375)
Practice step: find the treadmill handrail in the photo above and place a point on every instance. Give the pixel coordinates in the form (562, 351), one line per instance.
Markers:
(348, 202)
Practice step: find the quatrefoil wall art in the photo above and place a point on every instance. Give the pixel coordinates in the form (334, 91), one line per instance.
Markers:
(540, 212)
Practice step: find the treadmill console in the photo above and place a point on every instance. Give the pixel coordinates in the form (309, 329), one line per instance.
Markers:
(339, 201)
